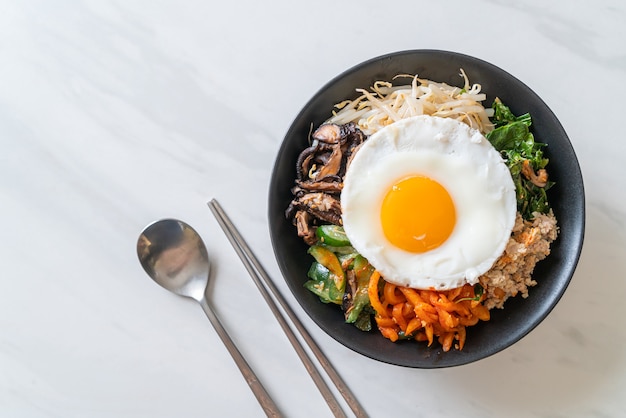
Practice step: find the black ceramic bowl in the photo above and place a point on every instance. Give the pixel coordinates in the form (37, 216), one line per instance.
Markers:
(553, 274)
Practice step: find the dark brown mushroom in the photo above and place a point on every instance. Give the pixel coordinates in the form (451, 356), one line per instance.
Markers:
(303, 163)
(321, 205)
(320, 172)
(302, 220)
(328, 185)
(328, 133)
(332, 166)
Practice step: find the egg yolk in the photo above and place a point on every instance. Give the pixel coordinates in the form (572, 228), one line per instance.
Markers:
(417, 214)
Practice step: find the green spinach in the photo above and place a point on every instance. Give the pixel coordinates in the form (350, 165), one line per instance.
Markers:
(513, 138)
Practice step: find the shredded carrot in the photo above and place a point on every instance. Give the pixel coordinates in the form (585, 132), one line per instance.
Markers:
(413, 325)
(398, 316)
(425, 315)
(372, 291)
(391, 296)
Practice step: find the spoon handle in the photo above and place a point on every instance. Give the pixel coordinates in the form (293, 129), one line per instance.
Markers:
(266, 402)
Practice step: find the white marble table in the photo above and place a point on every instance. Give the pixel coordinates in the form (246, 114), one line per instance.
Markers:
(116, 113)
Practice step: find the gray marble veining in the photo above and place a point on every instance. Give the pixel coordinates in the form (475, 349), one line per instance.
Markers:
(113, 114)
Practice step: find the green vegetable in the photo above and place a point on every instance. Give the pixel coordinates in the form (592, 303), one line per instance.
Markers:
(346, 250)
(318, 282)
(332, 287)
(512, 137)
(332, 235)
(360, 299)
(328, 280)
(503, 115)
(508, 136)
(364, 321)
(346, 260)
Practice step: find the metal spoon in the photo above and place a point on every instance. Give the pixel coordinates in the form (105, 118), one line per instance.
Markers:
(174, 256)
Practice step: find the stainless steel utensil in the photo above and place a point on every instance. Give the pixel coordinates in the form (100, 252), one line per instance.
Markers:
(174, 256)
(258, 273)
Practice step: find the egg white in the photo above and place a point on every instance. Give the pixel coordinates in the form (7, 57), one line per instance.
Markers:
(466, 165)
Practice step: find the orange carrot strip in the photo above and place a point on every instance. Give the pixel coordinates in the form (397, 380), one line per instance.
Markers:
(421, 336)
(385, 322)
(461, 336)
(481, 312)
(426, 312)
(372, 292)
(413, 325)
(446, 340)
(411, 295)
(391, 297)
(398, 317)
(429, 333)
(447, 321)
(389, 333)
(408, 310)
(468, 321)
(421, 308)
(454, 293)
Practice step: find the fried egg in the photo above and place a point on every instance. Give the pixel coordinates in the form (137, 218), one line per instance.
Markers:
(429, 202)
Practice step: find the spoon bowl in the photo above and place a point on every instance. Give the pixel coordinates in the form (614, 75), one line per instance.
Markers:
(174, 256)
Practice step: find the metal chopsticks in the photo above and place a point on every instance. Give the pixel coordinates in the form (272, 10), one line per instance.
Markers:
(258, 273)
